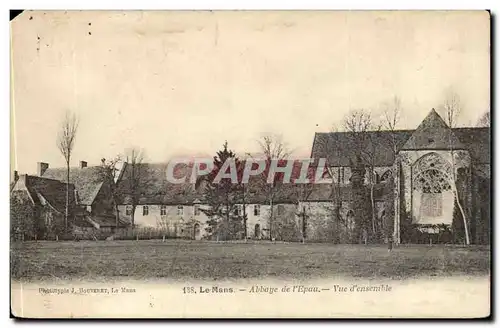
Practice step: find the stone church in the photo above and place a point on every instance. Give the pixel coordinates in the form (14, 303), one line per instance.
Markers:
(427, 170)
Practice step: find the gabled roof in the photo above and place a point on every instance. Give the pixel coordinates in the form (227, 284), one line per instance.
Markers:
(45, 191)
(338, 147)
(154, 188)
(88, 181)
(433, 133)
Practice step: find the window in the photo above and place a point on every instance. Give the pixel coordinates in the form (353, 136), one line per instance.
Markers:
(256, 210)
(237, 210)
(180, 210)
(163, 210)
(196, 210)
(342, 175)
(128, 210)
(386, 176)
(432, 204)
(281, 209)
(145, 210)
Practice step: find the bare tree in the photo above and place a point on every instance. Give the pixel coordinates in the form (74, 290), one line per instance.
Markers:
(65, 143)
(331, 145)
(359, 123)
(136, 177)
(390, 122)
(452, 109)
(163, 222)
(274, 148)
(484, 120)
(369, 155)
(303, 192)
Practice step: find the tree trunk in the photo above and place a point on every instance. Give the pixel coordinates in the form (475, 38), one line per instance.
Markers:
(66, 214)
(462, 212)
(372, 199)
(117, 215)
(245, 214)
(132, 217)
(304, 224)
(454, 177)
(271, 219)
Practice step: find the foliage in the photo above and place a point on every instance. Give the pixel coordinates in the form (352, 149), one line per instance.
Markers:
(22, 218)
(108, 172)
(224, 198)
(361, 202)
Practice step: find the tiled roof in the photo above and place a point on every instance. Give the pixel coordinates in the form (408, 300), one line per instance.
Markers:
(338, 147)
(155, 189)
(43, 191)
(87, 181)
(433, 133)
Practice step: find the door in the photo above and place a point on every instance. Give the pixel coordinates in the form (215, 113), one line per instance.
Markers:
(197, 232)
(257, 231)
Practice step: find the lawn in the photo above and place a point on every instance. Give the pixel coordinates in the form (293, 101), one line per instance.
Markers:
(184, 260)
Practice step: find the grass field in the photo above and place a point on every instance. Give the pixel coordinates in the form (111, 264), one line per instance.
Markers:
(184, 260)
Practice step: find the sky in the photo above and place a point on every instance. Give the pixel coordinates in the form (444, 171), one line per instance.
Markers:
(182, 83)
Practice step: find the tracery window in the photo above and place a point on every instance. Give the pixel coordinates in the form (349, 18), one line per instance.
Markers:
(431, 182)
(431, 179)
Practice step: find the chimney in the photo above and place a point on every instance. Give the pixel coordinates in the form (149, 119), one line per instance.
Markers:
(42, 167)
(83, 164)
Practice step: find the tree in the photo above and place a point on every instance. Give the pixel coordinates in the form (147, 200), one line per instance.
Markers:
(361, 210)
(136, 180)
(303, 192)
(65, 143)
(484, 120)
(332, 146)
(109, 172)
(274, 149)
(359, 123)
(452, 109)
(224, 197)
(390, 122)
(22, 218)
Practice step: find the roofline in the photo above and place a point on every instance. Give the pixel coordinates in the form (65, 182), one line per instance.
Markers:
(42, 177)
(427, 149)
(50, 204)
(314, 142)
(407, 130)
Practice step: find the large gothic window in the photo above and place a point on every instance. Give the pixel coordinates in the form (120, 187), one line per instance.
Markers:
(431, 179)
(431, 182)
(432, 205)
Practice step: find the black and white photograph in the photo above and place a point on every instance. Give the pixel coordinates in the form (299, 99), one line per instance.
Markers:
(250, 164)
